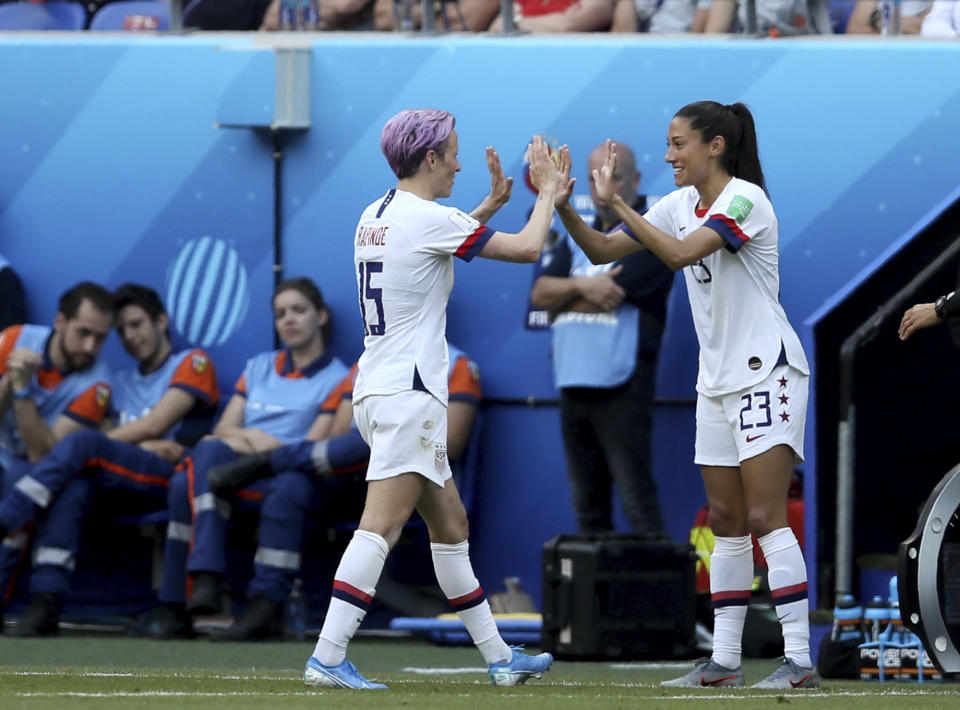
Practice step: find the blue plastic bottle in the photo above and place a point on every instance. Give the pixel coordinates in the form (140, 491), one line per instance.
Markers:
(876, 616)
(847, 620)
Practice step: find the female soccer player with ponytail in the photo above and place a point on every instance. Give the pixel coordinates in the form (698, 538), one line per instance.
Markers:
(720, 228)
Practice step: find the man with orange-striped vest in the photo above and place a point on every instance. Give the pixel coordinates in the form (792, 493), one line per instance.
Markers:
(166, 402)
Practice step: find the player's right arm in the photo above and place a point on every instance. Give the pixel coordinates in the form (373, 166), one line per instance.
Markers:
(525, 246)
(599, 247)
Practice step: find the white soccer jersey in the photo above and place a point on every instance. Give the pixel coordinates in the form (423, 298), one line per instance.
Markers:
(403, 258)
(735, 291)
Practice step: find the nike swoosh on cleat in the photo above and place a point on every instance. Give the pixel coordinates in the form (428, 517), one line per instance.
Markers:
(800, 682)
(704, 682)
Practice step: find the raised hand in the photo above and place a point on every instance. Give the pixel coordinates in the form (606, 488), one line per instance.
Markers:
(603, 178)
(564, 182)
(500, 186)
(22, 363)
(543, 171)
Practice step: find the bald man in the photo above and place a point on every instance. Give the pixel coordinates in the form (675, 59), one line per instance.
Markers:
(607, 324)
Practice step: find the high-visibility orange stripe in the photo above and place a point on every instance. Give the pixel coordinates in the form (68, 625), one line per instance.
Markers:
(126, 472)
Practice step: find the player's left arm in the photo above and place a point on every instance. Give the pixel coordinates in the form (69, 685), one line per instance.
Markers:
(500, 189)
(675, 253)
(525, 246)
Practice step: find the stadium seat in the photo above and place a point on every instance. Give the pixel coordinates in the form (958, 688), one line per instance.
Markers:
(67, 16)
(132, 15)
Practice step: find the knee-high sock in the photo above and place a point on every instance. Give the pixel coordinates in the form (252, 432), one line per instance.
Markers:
(354, 585)
(788, 586)
(731, 580)
(459, 583)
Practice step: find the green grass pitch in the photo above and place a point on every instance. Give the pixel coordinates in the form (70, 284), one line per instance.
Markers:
(94, 671)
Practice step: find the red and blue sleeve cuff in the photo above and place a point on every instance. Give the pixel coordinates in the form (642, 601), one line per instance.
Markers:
(729, 230)
(474, 243)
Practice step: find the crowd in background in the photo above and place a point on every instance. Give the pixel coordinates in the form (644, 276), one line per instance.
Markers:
(775, 18)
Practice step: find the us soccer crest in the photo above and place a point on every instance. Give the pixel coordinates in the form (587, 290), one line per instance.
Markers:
(440, 457)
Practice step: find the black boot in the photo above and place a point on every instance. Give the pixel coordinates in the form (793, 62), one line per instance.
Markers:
(233, 476)
(42, 617)
(205, 600)
(261, 619)
(167, 621)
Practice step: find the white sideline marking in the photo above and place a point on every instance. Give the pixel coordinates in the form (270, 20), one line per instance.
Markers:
(173, 674)
(440, 671)
(652, 666)
(158, 693)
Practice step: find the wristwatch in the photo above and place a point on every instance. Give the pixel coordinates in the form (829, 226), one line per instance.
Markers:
(939, 306)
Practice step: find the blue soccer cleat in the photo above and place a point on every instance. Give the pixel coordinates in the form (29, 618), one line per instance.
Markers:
(344, 675)
(519, 668)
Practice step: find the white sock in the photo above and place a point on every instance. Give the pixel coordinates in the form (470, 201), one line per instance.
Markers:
(354, 585)
(459, 583)
(731, 581)
(787, 574)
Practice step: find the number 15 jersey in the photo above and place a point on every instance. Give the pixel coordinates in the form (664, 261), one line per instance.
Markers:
(403, 260)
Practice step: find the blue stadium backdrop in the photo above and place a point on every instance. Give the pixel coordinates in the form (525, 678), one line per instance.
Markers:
(144, 159)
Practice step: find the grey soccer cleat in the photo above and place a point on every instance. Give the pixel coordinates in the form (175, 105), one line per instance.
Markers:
(790, 676)
(708, 674)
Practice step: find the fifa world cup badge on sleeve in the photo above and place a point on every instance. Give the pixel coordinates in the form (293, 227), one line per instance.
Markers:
(740, 208)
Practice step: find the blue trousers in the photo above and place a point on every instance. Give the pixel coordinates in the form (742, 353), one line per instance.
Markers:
(285, 502)
(57, 489)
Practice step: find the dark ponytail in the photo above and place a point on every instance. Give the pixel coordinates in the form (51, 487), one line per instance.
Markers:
(741, 157)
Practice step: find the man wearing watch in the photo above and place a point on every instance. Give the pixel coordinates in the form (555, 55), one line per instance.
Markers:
(924, 315)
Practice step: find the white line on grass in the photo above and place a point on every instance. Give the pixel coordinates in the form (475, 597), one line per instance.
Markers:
(172, 674)
(157, 693)
(441, 671)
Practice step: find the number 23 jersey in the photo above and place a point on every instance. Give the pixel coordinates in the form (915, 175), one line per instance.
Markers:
(735, 291)
(403, 260)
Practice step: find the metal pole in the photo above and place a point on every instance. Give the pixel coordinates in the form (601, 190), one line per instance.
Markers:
(176, 17)
(506, 12)
(843, 551)
(428, 19)
(750, 10)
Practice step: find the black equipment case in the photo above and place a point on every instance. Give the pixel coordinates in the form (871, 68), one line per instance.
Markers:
(618, 596)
